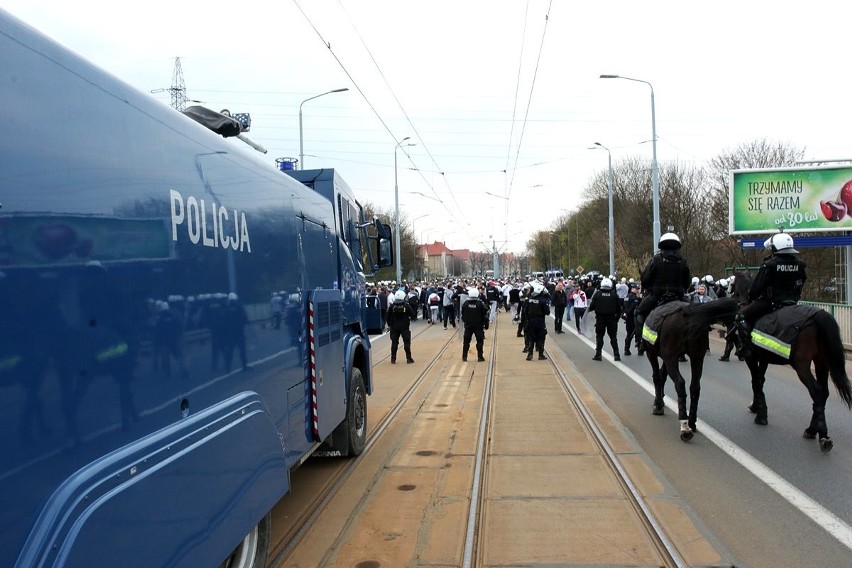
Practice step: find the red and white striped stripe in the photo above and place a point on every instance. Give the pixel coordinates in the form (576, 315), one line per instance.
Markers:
(313, 362)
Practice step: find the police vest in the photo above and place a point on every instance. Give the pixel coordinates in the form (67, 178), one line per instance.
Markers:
(472, 312)
(606, 302)
(787, 280)
(668, 275)
(535, 309)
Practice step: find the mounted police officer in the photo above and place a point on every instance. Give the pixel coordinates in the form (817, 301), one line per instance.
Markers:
(778, 283)
(400, 315)
(536, 309)
(474, 315)
(607, 307)
(665, 278)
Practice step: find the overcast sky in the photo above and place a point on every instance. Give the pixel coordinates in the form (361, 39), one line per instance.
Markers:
(501, 100)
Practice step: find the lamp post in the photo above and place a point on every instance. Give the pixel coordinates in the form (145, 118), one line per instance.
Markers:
(611, 218)
(396, 198)
(301, 138)
(655, 172)
(550, 252)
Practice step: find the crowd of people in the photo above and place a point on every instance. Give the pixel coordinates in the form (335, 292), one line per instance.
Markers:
(475, 304)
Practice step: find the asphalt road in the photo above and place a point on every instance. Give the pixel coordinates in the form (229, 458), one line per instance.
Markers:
(769, 495)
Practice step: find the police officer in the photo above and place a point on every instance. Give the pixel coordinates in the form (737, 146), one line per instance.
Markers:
(537, 308)
(474, 315)
(778, 283)
(631, 301)
(400, 315)
(607, 307)
(667, 275)
(522, 302)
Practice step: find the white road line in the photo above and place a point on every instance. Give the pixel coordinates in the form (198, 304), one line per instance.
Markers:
(816, 512)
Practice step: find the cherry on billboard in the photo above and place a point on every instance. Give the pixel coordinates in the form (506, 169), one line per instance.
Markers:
(793, 199)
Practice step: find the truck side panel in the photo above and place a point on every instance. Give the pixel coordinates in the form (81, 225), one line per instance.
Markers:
(138, 256)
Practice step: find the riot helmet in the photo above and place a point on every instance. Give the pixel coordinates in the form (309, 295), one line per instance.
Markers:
(606, 284)
(669, 241)
(781, 243)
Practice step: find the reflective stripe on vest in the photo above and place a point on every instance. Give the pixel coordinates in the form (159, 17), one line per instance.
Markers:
(771, 344)
(649, 335)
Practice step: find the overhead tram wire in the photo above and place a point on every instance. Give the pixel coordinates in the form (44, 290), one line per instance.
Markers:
(384, 124)
(527, 112)
(515, 101)
(464, 222)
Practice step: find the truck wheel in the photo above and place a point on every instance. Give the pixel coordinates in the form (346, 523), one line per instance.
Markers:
(252, 551)
(356, 414)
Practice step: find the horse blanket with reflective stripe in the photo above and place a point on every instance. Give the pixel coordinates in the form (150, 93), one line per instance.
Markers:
(777, 330)
(654, 321)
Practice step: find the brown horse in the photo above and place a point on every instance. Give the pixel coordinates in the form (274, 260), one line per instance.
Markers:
(685, 332)
(818, 342)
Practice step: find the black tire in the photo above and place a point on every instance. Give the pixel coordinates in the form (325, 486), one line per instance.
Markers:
(356, 415)
(253, 550)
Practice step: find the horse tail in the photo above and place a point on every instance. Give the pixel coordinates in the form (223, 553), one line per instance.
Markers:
(830, 335)
(701, 315)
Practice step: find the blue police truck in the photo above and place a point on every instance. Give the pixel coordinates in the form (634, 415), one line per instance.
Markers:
(181, 324)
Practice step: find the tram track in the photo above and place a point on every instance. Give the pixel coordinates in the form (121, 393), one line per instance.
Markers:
(669, 554)
(302, 520)
(483, 464)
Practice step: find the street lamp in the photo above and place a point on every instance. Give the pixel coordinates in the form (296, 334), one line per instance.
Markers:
(655, 172)
(412, 224)
(301, 138)
(396, 198)
(611, 218)
(550, 252)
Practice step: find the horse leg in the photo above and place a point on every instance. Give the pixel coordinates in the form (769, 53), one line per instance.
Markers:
(758, 377)
(659, 385)
(696, 363)
(818, 389)
(680, 389)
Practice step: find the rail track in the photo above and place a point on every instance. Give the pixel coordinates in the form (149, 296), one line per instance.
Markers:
(370, 519)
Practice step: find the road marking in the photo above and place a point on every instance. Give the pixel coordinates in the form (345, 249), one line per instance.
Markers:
(835, 526)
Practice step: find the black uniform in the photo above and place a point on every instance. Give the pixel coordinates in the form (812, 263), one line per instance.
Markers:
(607, 307)
(559, 301)
(630, 303)
(536, 309)
(666, 274)
(474, 315)
(400, 315)
(779, 282)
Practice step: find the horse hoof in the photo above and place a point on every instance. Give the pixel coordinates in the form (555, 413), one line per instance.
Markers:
(825, 444)
(658, 410)
(808, 434)
(686, 435)
(761, 420)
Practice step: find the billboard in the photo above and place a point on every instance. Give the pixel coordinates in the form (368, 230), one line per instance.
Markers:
(792, 199)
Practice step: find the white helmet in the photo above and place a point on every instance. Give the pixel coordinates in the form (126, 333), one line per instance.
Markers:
(473, 293)
(708, 279)
(606, 284)
(695, 279)
(669, 241)
(399, 297)
(723, 282)
(537, 288)
(782, 242)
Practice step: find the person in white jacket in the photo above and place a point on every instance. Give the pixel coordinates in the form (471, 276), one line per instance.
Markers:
(581, 302)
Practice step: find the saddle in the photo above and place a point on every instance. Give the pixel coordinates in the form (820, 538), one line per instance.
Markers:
(654, 321)
(777, 331)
